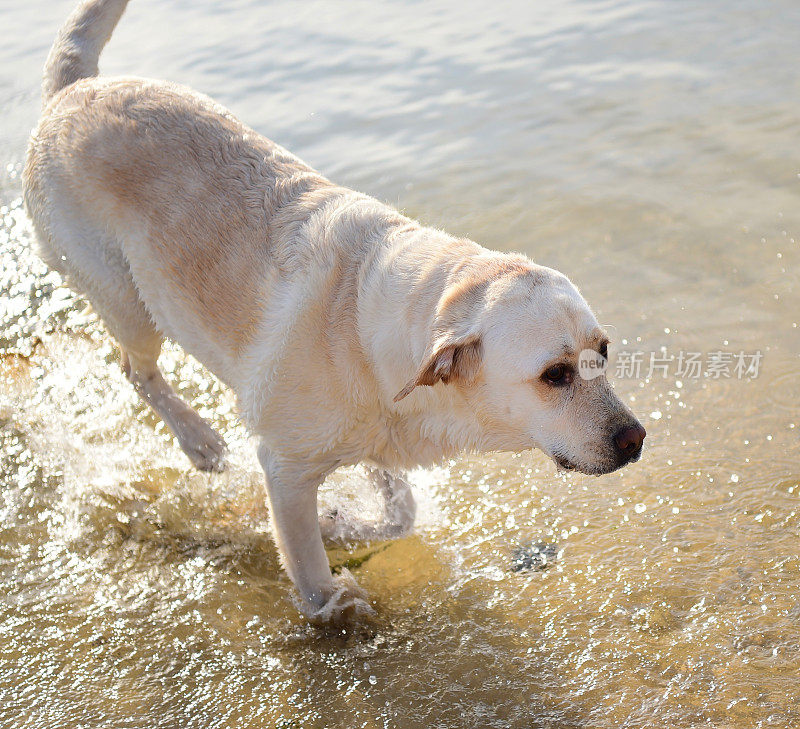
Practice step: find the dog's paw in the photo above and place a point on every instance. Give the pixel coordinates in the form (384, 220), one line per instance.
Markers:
(346, 604)
(400, 508)
(340, 526)
(203, 445)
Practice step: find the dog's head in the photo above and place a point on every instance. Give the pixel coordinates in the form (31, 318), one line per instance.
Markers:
(522, 347)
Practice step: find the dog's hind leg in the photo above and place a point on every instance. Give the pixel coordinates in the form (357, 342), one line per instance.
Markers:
(94, 265)
(140, 345)
(198, 440)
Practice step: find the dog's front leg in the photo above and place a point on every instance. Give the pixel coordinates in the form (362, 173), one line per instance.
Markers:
(292, 490)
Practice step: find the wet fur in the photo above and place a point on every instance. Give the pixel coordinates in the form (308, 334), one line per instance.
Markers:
(348, 331)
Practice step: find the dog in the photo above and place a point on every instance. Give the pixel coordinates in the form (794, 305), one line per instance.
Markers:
(348, 332)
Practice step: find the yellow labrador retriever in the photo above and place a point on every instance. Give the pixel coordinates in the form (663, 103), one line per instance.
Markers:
(349, 332)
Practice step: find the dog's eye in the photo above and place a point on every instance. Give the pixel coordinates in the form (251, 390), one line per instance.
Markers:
(558, 375)
(604, 350)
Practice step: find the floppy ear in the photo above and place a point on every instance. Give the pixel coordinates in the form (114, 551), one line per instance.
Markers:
(450, 361)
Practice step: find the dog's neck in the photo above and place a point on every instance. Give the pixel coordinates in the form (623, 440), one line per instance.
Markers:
(409, 275)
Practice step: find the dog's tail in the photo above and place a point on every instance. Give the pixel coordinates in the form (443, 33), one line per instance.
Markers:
(78, 44)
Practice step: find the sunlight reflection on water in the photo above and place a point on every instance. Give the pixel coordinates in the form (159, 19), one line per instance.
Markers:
(635, 146)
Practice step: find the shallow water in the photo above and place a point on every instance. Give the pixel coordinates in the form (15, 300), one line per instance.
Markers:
(647, 149)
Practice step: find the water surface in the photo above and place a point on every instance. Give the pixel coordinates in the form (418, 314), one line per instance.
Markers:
(648, 150)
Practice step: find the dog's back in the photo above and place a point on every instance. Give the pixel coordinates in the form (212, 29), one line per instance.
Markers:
(158, 204)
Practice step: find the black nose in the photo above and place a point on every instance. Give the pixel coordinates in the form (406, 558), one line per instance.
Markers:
(629, 441)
